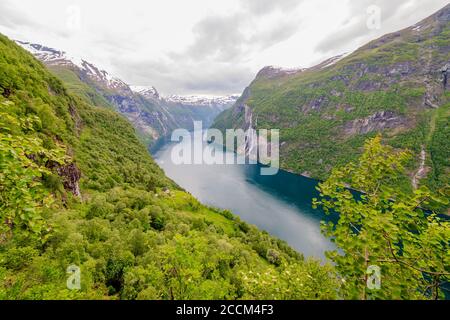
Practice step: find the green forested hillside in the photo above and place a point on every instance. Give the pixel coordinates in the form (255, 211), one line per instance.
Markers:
(74, 84)
(153, 117)
(77, 187)
(395, 85)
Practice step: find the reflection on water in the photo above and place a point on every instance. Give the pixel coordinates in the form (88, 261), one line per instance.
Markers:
(279, 204)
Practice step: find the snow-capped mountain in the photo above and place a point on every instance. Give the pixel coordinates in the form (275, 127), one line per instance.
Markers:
(151, 114)
(275, 71)
(203, 100)
(48, 55)
(104, 77)
(189, 100)
(51, 56)
(332, 61)
(270, 72)
(148, 92)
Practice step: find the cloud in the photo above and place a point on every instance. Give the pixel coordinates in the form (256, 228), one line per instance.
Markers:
(213, 56)
(220, 37)
(231, 37)
(262, 7)
(394, 15)
(275, 34)
(215, 60)
(204, 46)
(185, 77)
(11, 17)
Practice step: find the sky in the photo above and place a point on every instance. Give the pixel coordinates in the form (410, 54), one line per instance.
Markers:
(209, 47)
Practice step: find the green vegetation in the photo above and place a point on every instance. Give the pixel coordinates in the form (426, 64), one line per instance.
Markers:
(439, 150)
(76, 86)
(133, 232)
(385, 227)
(152, 118)
(136, 235)
(22, 197)
(326, 113)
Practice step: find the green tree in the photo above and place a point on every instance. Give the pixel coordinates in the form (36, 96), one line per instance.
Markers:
(22, 165)
(307, 280)
(385, 227)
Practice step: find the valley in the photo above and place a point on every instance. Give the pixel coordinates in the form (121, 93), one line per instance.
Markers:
(88, 178)
(391, 86)
(279, 204)
(153, 115)
(94, 198)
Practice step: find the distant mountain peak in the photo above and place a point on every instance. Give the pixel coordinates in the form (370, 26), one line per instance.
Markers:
(270, 72)
(332, 61)
(50, 55)
(275, 71)
(53, 56)
(147, 91)
(202, 100)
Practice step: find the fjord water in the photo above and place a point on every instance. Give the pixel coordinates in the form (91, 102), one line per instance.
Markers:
(279, 204)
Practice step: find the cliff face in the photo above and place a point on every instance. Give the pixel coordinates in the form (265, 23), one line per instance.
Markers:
(151, 114)
(379, 121)
(393, 85)
(70, 175)
(131, 217)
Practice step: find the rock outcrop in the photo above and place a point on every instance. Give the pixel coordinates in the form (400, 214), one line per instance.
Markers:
(445, 73)
(70, 175)
(326, 112)
(378, 121)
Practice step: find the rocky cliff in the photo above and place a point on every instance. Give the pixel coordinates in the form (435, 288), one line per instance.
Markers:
(151, 114)
(396, 86)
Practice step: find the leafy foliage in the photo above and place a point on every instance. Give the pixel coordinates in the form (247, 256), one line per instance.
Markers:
(439, 148)
(313, 107)
(385, 227)
(22, 167)
(133, 232)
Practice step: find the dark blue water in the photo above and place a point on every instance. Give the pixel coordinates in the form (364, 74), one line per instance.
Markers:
(279, 204)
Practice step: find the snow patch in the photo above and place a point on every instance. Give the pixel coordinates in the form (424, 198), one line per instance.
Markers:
(146, 91)
(286, 70)
(333, 60)
(205, 100)
(58, 57)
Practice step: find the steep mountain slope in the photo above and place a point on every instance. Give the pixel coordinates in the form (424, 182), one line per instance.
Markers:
(78, 189)
(205, 108)
(396, 85)
(184, 110)
(152, 115)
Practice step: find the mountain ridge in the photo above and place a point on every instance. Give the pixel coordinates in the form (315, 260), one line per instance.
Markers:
(393, 85)
(79, 189)
(153, 115)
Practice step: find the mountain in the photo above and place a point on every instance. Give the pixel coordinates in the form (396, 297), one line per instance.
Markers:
(205, 108)
(219, 101)
(148, 92)
(153, 116)
(79, 191)
(396, 86)
(189, 108)
(54, 57)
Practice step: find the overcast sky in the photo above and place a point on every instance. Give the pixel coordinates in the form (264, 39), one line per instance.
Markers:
(205, 46)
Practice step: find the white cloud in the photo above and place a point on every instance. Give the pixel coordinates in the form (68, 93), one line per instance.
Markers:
(203, 46)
